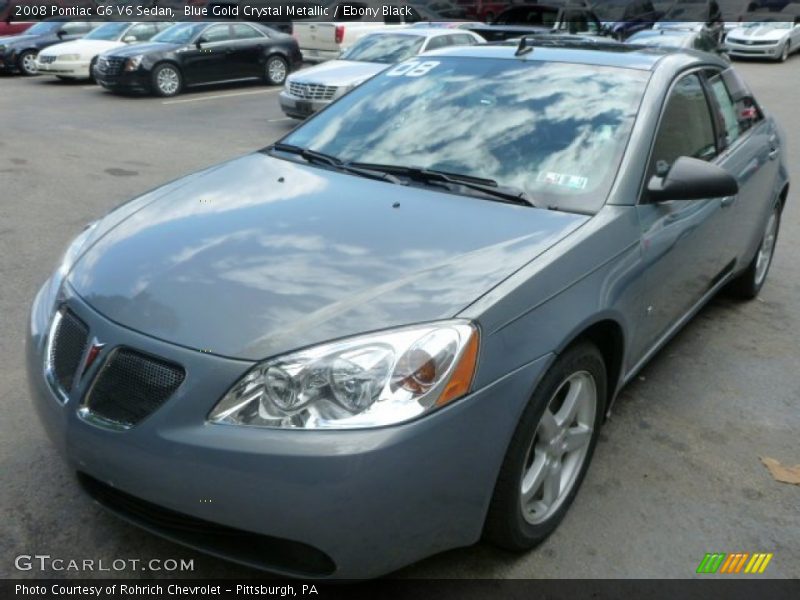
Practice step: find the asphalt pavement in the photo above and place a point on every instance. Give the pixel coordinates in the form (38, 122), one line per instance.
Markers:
(677, 472)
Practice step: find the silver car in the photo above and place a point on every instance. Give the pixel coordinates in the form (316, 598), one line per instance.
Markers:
(312, 89)
(775, 38)
(399, 329)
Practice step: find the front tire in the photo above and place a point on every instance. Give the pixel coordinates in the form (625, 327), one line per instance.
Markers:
(166, 80)
(26, 63)
(784, 55)
(276, 69)
(748, 285)
(550, 451)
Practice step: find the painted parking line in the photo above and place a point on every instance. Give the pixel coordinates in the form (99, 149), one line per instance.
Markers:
(279, 120)
(218, 96)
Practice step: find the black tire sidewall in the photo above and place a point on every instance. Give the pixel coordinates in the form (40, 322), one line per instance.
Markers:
(154, 80)
(506, 525)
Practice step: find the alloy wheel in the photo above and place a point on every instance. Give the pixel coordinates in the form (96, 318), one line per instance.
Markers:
(559, 447)
(29, 63)
(276, 70)
(168, 81)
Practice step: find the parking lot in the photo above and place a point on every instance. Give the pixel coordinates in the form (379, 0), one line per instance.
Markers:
(677, 472)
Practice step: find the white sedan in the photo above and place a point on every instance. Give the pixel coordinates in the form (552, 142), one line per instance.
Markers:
(73, 60)
(310, 90)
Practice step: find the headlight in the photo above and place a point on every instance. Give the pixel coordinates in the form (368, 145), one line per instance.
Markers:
(133, 63)
(69, 57)
(366, 381)
(74, 250)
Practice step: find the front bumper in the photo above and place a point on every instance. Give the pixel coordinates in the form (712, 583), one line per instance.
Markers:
(74, 69)
(314, 55)
(772, 50)
(371, 501)
(299, 108)
(133, 81)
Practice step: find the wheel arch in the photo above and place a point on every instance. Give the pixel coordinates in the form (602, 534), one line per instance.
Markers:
(607, 333)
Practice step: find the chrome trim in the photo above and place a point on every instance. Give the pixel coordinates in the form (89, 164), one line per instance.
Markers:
(62, 395)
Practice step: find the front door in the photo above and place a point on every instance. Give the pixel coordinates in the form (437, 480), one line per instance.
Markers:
(682, 241)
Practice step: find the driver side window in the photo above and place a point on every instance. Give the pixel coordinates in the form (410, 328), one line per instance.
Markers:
(217, 33)
(686, 128)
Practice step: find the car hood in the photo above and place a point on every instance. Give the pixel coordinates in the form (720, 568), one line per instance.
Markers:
(13, 40)
(338, 73)
(761, 32)
(261, 256)
(82, 47)
(145, 48)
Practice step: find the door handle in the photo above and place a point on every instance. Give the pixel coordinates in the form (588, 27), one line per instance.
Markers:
(727, 201)
(773, 153)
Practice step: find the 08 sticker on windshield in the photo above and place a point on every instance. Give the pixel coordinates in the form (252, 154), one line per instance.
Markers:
(413, 69)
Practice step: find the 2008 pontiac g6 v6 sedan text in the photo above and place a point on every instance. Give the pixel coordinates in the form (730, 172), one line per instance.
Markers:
(399, 329)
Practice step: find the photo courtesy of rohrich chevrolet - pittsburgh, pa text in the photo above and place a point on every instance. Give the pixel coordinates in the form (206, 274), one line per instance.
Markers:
(357, 299)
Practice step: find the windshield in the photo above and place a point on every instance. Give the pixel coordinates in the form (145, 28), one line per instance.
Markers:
(182, 33)
(43, 27)
(557, 131)
(108, 32)
(387, 49)
(671, 40)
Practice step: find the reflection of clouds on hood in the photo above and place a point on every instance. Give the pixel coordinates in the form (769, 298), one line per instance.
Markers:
(505, 124)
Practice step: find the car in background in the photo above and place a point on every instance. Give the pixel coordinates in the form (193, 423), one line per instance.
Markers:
(695, 14)
(400, 328)
(312, 89)
(439, 9)
(18, 52)
(17, 16)
(483, 10)
(326, 40)
(771, 35)
(623, 18)
(687, 39)
(74, 60)
(527, 19)
(200, 53)
(446, 24)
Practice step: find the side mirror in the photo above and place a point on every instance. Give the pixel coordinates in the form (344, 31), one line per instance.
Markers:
(61, 33)
(129, 39)
(692, 179)
(200, 41)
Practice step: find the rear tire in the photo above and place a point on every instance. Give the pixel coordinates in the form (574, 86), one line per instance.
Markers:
(550, 451)
(276, 69)
(166, 80)
(26, 63)
(748, 285)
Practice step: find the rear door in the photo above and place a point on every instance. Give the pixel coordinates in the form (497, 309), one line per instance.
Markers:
(749, 151)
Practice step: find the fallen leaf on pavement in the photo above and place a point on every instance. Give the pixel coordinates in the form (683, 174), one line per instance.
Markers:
(781, 473)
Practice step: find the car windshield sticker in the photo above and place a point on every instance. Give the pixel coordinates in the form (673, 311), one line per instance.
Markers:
(575, 182)
(413, 68)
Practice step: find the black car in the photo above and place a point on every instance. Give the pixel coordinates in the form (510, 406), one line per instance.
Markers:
(623, 18)
(18, 52)
(200, 53)
(572, 16)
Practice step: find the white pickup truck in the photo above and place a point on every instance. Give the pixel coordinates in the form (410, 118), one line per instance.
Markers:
(350, 21)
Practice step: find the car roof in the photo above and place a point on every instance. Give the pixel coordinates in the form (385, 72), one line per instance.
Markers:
(550, 49)
(420, 31)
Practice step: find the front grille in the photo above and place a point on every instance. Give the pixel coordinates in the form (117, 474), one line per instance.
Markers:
(312, 91)
(751, 42)
(253, 549)
(130, 386)
(110, 65)
(68, 343)
(46, 59)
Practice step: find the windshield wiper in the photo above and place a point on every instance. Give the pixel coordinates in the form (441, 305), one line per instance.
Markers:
(315, 157)
(487, 186)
